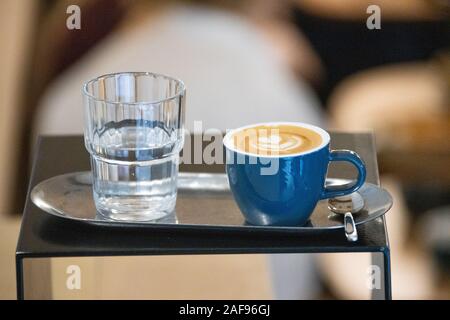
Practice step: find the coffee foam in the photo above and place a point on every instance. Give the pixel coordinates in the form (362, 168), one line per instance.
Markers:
(280, 139)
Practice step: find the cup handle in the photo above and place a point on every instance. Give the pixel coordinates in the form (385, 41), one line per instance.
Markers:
(353, 158)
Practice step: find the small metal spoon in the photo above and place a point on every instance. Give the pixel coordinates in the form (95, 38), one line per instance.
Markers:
(347, 205)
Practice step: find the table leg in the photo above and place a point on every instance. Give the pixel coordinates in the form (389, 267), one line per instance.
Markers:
(19, 277)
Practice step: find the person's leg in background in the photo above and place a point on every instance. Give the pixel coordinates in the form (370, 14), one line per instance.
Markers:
(294, 276)
(16, 19)
(386, 99)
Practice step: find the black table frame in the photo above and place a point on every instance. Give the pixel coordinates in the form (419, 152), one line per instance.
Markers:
(46, 236)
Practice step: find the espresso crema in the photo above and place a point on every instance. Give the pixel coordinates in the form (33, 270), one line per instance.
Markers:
(279, 139)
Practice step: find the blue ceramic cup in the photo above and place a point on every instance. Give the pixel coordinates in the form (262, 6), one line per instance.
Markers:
(284, 189)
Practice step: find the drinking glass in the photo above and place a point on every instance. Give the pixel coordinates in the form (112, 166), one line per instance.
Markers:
(134, 133)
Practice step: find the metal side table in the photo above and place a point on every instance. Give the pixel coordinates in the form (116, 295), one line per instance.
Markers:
(43, 236)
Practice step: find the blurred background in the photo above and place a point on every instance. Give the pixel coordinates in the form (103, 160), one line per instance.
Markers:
(247, 61)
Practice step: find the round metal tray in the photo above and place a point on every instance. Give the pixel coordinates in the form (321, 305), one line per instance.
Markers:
(204, 200)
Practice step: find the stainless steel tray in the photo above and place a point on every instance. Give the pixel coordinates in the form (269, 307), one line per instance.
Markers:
(204, 201)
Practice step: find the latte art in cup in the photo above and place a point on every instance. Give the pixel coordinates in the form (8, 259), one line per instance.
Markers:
(276, 142)
(276, 139)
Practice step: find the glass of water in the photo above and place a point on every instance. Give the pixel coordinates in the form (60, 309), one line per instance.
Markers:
(134, 133)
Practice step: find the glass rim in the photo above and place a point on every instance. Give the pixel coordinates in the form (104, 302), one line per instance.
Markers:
(179, 92)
